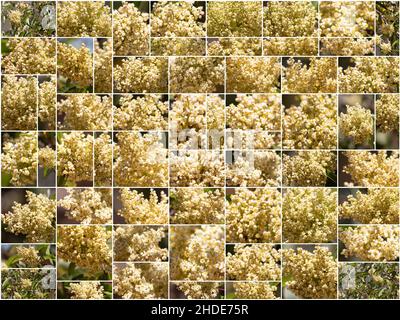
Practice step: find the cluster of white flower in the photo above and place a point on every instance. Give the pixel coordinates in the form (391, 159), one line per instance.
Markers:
(256, 262)
(309, 215)
(371, 243)
(254, 216)
(313, 274)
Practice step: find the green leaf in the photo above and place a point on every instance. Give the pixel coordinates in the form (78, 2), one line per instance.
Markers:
(12, 261)
(4, 47)
(42, 248)
(5, 179)
(61, 181)
(49, 257)
(173, 197)
(59, 137)
(286, 279)
(5, 283)
(331, 175)
(71, 268)
(48, 252)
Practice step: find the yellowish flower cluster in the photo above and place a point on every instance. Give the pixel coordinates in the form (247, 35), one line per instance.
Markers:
(309, 215)
(308, 168)
(387, 112)
(252, 139)
(290, 46)
(215, 112)
(371, 243)
(234, 19)
(375, 206)
(47, 103)
(28, 19)
(197, 168)
(75, 64)
(141, 281)
(140, 160)
(194, 119)
(27, 284)
(87, 290)
(253, 74)
(137, 243)
(178, 47)
(235, 47)
(369, 75)
(34, 219)
(310, 76)
(141, 75)
(290, 19)
(47, 157)
(103, 66)
(15, 17)
(372, 169)
(88, 247)
(197, 206)
(29, 256)
(83, 19)
(255, 169)
(256, 262)
(88, 206)
(103, 151)
(347, 46)
(138, 209)
(75, 157)
(255, 112)
(313, 274)
(347, 18)
(357, 123)
(141, 113)
(188, 139)
(254, 216)
(197, 253)
(130, 30)
(19, 158)
(85, 112)
(199, 290)
(30, 56)
(176, 19)
(387, 28)
(385, 47)
(196, 74)
(19, 103)
(311, 124)
(188, 112)
(255, 290)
